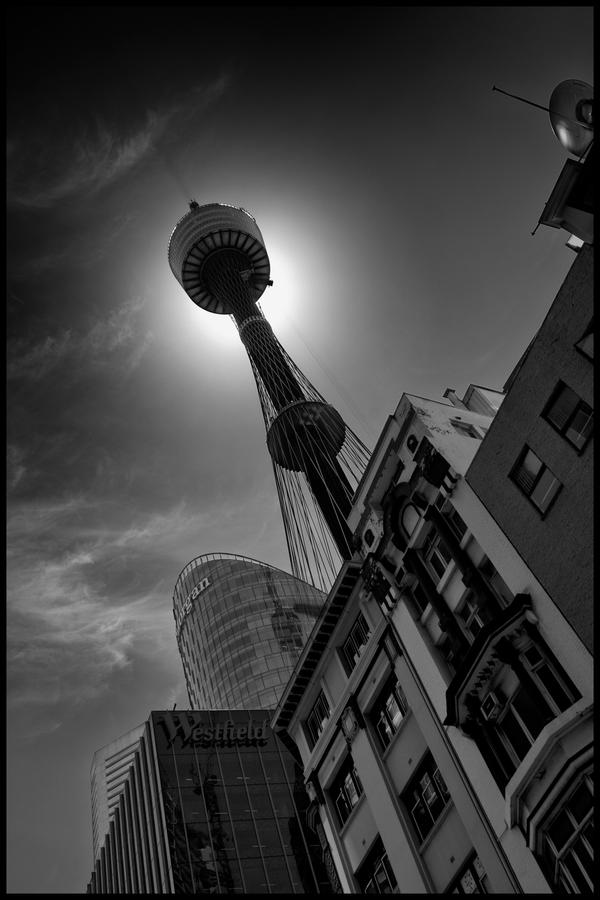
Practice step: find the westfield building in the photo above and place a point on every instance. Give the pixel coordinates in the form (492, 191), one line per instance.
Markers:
(210, 802)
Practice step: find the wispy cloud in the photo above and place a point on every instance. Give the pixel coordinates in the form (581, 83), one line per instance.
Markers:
(89, 593)
(92, 162)
(87, 164)
(104, 343)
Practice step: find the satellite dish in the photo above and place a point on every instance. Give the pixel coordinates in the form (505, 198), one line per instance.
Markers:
(570, 110)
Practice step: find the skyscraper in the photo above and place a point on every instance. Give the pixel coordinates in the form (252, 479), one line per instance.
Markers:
(240, 626)
(218, 255)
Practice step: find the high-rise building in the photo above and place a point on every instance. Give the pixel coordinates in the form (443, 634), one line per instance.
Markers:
(443, 706)
(217, 254)
(212, 802)
(240, 627)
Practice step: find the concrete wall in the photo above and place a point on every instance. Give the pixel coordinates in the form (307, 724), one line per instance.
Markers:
(558, 547)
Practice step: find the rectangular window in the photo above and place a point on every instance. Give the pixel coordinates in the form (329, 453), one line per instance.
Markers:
(569, 415)
(473, 616)
(471, 880)
(346, 790)
(389, 711)
(465, 429)
(534, 703)
(567, 852)
(495, 581)
(426, 797)
(354, 644)
(376, 875)
(437, 555)
(535, 480)
(316, 719)
(455, 521)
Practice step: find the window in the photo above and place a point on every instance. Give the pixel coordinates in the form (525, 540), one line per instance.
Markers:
(534, 703)
(455, 521)
(471, 880)
(316, 719)
(376, 875)
(465, 429)
(473, 616)
(346, 790)
(426, 797)
(535, 480)
(369, 537)
(354, 644)
(495, 581)
(570, 415)
(389, 711)
(436, 555)
(567, 851)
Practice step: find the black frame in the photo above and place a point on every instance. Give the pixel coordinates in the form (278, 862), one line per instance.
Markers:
(528, 491)
(579, 406)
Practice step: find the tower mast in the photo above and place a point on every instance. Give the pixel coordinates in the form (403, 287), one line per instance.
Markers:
(217, 254)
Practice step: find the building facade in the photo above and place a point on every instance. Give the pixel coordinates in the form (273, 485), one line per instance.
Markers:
(240, 627)
(109, 773)
(213, 802)
(443, 706)
(534, 472)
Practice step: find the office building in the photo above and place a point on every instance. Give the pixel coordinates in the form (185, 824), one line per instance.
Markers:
(213, 802)
(534, 472)
(240, 627)
(442, 706)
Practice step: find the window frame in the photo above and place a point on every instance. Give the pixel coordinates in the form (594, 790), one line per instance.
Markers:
(376, 861)
(359, 625)
(553, 705)
(477, 613)
(314, 729)
(529, 491)
(580, 406)
(435, 788)
(552, 858)
(392, 690)
(431, 547)
(472, 866)
(347, 788)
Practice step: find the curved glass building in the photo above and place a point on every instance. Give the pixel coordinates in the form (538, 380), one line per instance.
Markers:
(240, 626)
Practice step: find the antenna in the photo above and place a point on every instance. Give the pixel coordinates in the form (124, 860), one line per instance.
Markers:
(571, 113)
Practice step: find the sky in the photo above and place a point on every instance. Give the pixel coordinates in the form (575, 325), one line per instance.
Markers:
(396, 193)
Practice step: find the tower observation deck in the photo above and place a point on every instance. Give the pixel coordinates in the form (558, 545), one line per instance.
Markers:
(218, 255)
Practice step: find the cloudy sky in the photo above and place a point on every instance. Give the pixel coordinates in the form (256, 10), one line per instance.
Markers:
(396, 194)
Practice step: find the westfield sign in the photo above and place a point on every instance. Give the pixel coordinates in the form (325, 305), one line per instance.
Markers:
(225, 734)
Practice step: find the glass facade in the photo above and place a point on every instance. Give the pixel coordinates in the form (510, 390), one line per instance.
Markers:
(240, 625)
(234, 804)
(214, 803)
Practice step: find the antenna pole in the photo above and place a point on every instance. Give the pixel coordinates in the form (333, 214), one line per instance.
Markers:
(522, 99)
